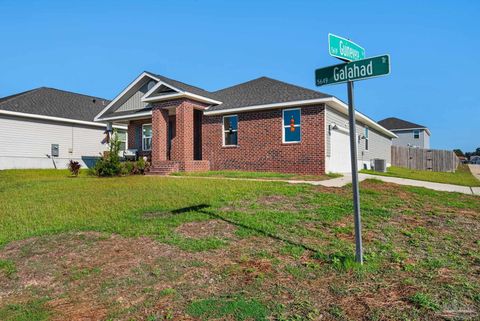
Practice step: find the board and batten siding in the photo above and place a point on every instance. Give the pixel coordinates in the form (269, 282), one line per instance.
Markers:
(26, 142)
(134, 102)
(379, 145)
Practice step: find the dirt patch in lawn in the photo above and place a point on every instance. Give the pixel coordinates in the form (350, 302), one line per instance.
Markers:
(210, 228)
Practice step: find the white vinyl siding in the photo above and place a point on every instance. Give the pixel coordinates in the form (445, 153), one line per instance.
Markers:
(406, 138)
(26, 142)
(379, 145)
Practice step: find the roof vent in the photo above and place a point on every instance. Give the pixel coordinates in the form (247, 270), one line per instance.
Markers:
(94, 100)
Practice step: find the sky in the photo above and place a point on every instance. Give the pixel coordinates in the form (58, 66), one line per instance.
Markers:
(99, 47)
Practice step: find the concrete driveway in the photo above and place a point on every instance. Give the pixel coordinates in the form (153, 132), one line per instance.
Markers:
(475, 169)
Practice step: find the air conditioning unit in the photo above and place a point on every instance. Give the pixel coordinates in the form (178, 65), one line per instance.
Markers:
(380, 165)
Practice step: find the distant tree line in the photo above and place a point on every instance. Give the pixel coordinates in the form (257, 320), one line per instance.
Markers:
(459, 153)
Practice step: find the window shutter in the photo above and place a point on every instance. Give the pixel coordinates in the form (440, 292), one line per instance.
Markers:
(138, 137)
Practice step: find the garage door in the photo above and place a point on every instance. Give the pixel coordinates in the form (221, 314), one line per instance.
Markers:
(339, 152)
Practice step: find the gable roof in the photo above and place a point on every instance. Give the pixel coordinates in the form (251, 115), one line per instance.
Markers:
(393, 123)
(182, 86)
(54, 103)
(262, 91)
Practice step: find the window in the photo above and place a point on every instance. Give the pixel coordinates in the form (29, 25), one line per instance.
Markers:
(122, 139)
(230, 130)
(366, 137)
(292, 125)
(416, 134)
(147, 137)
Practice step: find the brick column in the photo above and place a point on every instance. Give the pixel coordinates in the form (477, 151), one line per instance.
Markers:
(159, 135)
(183, 144)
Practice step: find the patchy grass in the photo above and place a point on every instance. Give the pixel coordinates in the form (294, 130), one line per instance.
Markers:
(29, 311)
(260, 175)
(462, 176)
(239, 308)
(159, 248)
(8, 267)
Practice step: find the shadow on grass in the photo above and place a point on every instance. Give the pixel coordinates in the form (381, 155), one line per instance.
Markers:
(202, 208)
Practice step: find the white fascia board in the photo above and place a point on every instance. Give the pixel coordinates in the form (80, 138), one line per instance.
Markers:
(413, 128)
(182, 94)
(58, 119)
(145, 114)
(202, 98)
(132, 84)
(340, 106)
(160, 98)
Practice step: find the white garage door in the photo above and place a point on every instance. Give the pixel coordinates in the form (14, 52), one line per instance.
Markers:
(339, 152)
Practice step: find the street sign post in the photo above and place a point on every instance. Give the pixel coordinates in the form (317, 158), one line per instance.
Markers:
(357, 67)
(355, 70)
(344, 49)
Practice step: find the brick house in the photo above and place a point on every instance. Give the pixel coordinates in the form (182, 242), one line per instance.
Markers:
(260, 125)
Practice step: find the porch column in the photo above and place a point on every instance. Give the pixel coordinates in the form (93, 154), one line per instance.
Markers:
(159, 135)
(183, 144)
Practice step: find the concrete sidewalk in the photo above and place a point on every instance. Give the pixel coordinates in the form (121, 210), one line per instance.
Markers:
(347, 178)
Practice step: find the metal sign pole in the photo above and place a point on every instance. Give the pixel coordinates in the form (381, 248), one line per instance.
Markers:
(356, 194)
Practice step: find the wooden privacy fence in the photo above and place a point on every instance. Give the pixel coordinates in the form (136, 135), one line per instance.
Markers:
(424, 159)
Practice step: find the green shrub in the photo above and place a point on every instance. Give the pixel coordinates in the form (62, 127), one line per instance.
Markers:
(127, 168)
(109, 164)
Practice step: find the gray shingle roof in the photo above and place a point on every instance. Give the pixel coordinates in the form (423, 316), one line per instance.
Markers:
(262, 91)
(393, 123)
(55, 103)
(259, 91)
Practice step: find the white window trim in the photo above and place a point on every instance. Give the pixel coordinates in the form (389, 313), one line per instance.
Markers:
(126, 140)
(223, 130)
(296, 125)
(143, 146)
(367, 138)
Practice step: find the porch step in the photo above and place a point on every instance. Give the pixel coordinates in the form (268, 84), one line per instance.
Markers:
(163, 169)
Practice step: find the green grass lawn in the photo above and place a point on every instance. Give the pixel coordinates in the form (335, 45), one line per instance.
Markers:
(260, 175)
(462, 176)
(162, 248)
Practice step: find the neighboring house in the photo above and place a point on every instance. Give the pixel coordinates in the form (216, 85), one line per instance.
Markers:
(409, 134)
(34, 122)
(259, 125)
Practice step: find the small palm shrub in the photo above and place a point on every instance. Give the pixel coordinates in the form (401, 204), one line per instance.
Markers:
(74, 167)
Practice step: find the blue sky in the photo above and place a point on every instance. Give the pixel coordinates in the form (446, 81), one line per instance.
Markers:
(98, 47)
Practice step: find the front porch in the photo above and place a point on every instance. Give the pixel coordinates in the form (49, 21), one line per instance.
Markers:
(172, 137)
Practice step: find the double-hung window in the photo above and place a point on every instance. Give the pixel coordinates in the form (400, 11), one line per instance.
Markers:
(147, 137)
(230, 130)
(366, 137)
(416, 134)
(122, 139)
(292, 126)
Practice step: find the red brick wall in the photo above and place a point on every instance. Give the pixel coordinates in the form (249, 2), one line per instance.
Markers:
(260, 146)
(159, 135)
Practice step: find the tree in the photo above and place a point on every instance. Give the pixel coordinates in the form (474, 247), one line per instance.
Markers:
(458, 152)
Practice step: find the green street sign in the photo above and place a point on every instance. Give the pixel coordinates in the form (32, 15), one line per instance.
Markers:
(344, 49)
(355, 70)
